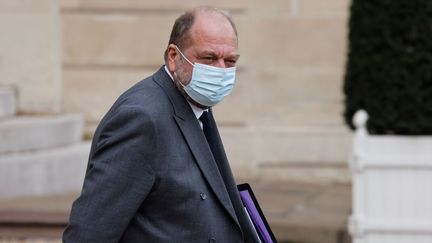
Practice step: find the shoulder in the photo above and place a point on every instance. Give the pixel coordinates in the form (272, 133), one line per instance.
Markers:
(144, 97)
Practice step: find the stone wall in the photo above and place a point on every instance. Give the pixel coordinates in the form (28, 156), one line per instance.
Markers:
(30, 53)
(283, 120)
(41, 148)
(291, 65)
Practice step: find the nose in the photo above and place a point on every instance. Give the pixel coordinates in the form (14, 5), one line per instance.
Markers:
(220, 63)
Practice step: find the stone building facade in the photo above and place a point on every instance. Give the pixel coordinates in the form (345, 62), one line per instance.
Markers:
(283, 120)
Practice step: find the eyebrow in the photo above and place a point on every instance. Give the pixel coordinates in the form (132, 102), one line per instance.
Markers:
(212, 53)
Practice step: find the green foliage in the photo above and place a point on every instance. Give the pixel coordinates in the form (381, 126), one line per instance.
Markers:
(389, 69)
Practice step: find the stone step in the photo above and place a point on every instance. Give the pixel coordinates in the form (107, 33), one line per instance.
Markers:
(27, 133)
(7, 102)
(43, 172)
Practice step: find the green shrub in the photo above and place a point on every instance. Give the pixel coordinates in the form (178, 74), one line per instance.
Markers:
(389, 68)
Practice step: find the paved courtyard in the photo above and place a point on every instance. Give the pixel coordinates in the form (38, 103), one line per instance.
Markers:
(297, 212)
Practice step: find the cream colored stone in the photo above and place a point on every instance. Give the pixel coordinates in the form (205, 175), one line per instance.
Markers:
(172, 5)
(299, 114)
(116, 39)
(44, 172)
(328, 8)
(296, 69)
(29, 133)
(286, 108)
(239, 143)
(298, 84)
(278, 97)
(283, 42)
(259, 8)
(110, 38)
(26, 6)
(280, 153)
(312, 174)
(30, 57)
(297, 96)
(70, 4)
(7, 102)
(235, 109)
(92, 92)
(307, 144)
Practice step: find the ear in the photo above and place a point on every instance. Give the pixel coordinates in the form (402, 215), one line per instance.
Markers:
(172, 58)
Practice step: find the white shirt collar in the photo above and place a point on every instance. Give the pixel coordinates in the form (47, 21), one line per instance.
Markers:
(196, 110)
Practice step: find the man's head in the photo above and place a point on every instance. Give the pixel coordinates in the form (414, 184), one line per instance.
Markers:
(204, 35)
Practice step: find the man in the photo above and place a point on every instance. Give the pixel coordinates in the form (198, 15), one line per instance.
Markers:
(157, 170)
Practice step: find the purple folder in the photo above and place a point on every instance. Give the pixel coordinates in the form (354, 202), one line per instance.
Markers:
(255, 214)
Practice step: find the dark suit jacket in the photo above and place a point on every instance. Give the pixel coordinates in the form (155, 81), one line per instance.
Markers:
(152, 177)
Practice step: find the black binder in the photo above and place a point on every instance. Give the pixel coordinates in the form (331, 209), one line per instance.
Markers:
(253, 210)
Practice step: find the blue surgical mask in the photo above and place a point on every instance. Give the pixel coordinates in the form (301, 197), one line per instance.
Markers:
(209, 85)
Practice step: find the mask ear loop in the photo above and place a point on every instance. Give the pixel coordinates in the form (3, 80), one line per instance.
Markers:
(181, 53)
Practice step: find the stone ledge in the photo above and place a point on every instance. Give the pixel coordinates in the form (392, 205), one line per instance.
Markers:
(314, 173)
(44, 172)
(26, 133)
(314, 153)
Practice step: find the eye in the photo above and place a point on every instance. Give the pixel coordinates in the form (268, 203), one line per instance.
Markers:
(231, 62)
(209, 58)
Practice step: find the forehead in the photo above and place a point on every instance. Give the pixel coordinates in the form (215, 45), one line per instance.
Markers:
(213, 31)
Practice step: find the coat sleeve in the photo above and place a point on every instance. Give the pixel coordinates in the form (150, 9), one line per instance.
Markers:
(118, 178)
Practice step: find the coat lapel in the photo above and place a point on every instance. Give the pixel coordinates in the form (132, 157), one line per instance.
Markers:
(231, 186)
(196, 141)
